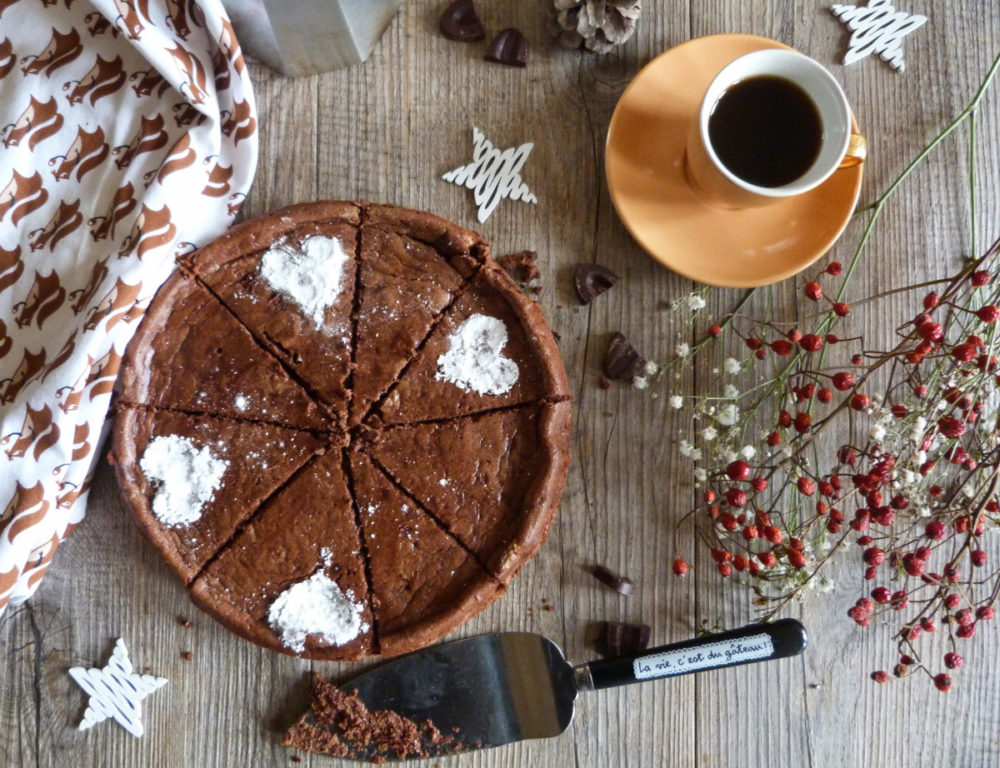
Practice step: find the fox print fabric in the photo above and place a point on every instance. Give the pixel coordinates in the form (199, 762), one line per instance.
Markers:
(129, 136)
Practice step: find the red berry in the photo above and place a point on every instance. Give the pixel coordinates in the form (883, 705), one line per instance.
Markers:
(843, 381)
(738, 470)
(750, 532)
(860, 402)
(729, 521)
(964, 617)
(978, 557)
(784, 419)
(824, 395)
(811, 342)
(794, 335)
(951, 427)
(773, 534)
(725, 569)
(881, 676)
(985, 612)
(930, 300)
(802, 422)
(965, 632)
(952, 601)
(806, 486)
(980, 277)
(680, 567)
(874, 556)
(813, 290)
(935, 530)
(714, 330)
(773, 439)
(767, 559)
(754, 343)
(881, 595)
(841, 309)
(942, 682)
(796, 558)
(833, 268)
(781, 347)
(952, 660)
(759, 484)
(736, 497)
(988, 314)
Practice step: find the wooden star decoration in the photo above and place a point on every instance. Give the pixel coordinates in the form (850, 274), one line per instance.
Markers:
(877, 28)
(115, 691)
(493, 174)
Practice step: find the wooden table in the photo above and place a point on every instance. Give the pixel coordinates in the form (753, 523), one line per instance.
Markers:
(386, 131)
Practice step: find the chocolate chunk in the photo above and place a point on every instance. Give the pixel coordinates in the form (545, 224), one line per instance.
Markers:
(522, 266)
(621, 584)
(508, 47)
(459, 22)
(591, 280)
(625, 639)
(621, 361)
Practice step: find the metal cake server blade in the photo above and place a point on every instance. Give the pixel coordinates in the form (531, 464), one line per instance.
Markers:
(500, 688)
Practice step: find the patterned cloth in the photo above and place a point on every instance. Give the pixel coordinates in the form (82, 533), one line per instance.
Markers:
(129, 136)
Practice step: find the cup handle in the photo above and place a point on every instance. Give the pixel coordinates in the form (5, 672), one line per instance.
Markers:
(857, 151)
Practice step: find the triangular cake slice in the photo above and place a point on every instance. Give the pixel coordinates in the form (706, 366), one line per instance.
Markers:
(302, 549)
(491, 349)
(191, 354)
(290, 280)
(423, 582)
(191, 481)
(412, 266)
(495, 480)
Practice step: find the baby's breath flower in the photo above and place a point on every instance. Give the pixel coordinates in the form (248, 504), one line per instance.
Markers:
(748, 452)
(676, 402)
(728, 415)
(683, 349)
(731, 365)
(700, 475)
(876, 432)
(640, 382)
(695, 302)
(651, 368)
(708, 434)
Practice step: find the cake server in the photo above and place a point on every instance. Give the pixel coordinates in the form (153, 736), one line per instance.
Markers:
(494, 689)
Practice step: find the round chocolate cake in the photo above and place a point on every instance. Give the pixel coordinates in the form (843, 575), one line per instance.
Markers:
(344, 427)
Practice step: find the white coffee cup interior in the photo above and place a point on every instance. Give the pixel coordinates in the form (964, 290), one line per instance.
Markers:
(822, 88)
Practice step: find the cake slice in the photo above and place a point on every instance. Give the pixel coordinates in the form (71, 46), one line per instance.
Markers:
(191, 481)
(302, 549)
(491, 349)
(423, 582)
(494, 480)
(290, 280)
(191, 354)
(412, 266)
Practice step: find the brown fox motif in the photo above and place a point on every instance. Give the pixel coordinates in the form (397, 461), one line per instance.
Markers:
(132, 17)
(193, 72)
(181, 156)
(103, 374)
(180, 12)
(36, 123)
(151, 229)
(150, 137)
(45, 297)
(122, 204)
(235, 203)
(69, 494)
(21, 196)
(114, 307)
(6, 342)
(221, 71)
(31, 363)
(230, 46)
(64, 221)
(144, 82)
(64, 354)
(218, 178)
(186, 114)
(74, 392)
(88, 150)
(37, 429)
(81, 297)
(11, 267)
(81, 446)
(8, 59)
(97, 24)
(240, 123)
(61, 49)
(30, 499)
(103, 79)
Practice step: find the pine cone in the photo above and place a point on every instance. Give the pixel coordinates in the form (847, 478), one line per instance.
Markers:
(597, 25)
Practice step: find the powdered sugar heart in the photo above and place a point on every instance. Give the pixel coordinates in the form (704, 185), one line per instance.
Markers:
(318, 607)
(474, 360)
(186, 477)
(309, 275)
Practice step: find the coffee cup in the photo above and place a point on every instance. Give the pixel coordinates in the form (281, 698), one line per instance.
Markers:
(772, 124)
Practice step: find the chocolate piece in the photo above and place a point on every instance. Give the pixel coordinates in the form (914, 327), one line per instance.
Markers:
(259, 459)
(491, 479)
(459, 22)
(621, 584)
(522, 266)
(591, 280)
(339, 725)
(624, 639)
(508, 47)
(621, 361)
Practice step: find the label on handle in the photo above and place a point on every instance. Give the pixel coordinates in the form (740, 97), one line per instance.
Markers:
(718, 654)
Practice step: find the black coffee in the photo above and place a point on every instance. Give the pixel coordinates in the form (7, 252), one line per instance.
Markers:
(766, 130)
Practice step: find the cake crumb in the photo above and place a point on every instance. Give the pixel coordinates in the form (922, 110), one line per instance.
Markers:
(184, 622)
(187, 655)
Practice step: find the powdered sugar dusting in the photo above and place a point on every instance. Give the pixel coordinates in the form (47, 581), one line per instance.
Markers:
(474, 360)
(187, 477)
(318, 607)
(241, 403)
(309, 275)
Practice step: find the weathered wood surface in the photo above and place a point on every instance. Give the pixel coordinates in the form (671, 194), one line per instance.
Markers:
(386, 131)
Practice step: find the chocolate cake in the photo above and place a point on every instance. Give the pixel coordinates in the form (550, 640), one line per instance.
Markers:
(344, 427)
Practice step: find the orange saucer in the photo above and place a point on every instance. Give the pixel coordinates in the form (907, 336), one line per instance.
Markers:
(644, 160)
